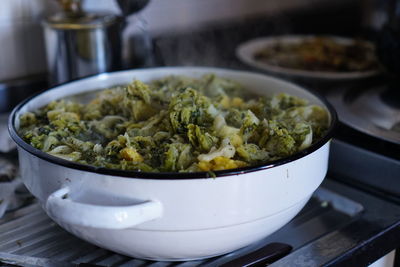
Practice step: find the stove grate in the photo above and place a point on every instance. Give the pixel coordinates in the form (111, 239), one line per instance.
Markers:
(29, 238)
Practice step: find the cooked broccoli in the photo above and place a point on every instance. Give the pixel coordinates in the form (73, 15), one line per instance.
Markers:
(177, 157)
(189, 107)
(175, 124)
(140, 90)
(249, 126)
(200, 139)
(225, 150)
(279, 142)
(284, 101)
(27, 119)
(252, 153)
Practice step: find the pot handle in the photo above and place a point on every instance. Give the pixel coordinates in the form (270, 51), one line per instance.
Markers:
(65, 209)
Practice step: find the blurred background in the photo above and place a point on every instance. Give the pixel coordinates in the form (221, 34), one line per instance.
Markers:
(23, 45)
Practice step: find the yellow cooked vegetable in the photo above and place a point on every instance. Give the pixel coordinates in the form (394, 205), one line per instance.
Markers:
(175, 124)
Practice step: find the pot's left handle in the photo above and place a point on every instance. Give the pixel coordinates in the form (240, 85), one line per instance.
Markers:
(60, 206)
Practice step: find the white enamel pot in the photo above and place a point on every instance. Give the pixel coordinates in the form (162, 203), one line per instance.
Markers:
(171, 216)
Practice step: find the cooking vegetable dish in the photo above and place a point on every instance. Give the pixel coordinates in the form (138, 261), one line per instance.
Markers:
(175, 124)
(320, 54)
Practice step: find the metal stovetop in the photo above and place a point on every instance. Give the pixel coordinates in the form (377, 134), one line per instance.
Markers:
(28, 236)
(340, 225)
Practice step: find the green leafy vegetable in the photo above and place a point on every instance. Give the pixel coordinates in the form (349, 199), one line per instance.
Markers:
(175, 124)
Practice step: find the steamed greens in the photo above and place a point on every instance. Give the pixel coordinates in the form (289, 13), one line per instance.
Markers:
(175, 124)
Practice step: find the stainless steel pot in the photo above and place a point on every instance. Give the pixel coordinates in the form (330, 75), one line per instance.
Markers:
(82, 45)
(159, 215)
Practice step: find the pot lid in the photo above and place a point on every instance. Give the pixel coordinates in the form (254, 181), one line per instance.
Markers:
(73, 17)
(84, 21)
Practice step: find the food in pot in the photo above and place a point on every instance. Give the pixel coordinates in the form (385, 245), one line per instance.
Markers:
(320, 54)
(175, 124)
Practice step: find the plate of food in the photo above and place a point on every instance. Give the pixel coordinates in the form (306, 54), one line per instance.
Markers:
(311, 57)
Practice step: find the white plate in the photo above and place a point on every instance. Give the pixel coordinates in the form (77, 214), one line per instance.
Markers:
(245, 52)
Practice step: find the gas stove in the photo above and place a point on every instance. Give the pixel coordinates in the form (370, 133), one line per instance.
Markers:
(342, 225)
(353, 219)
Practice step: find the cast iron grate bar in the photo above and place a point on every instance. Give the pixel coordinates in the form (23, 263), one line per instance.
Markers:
(96, 255)
(78, 250)
(43, 245)
(63, 244)
(22, 245)
(21, 233)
